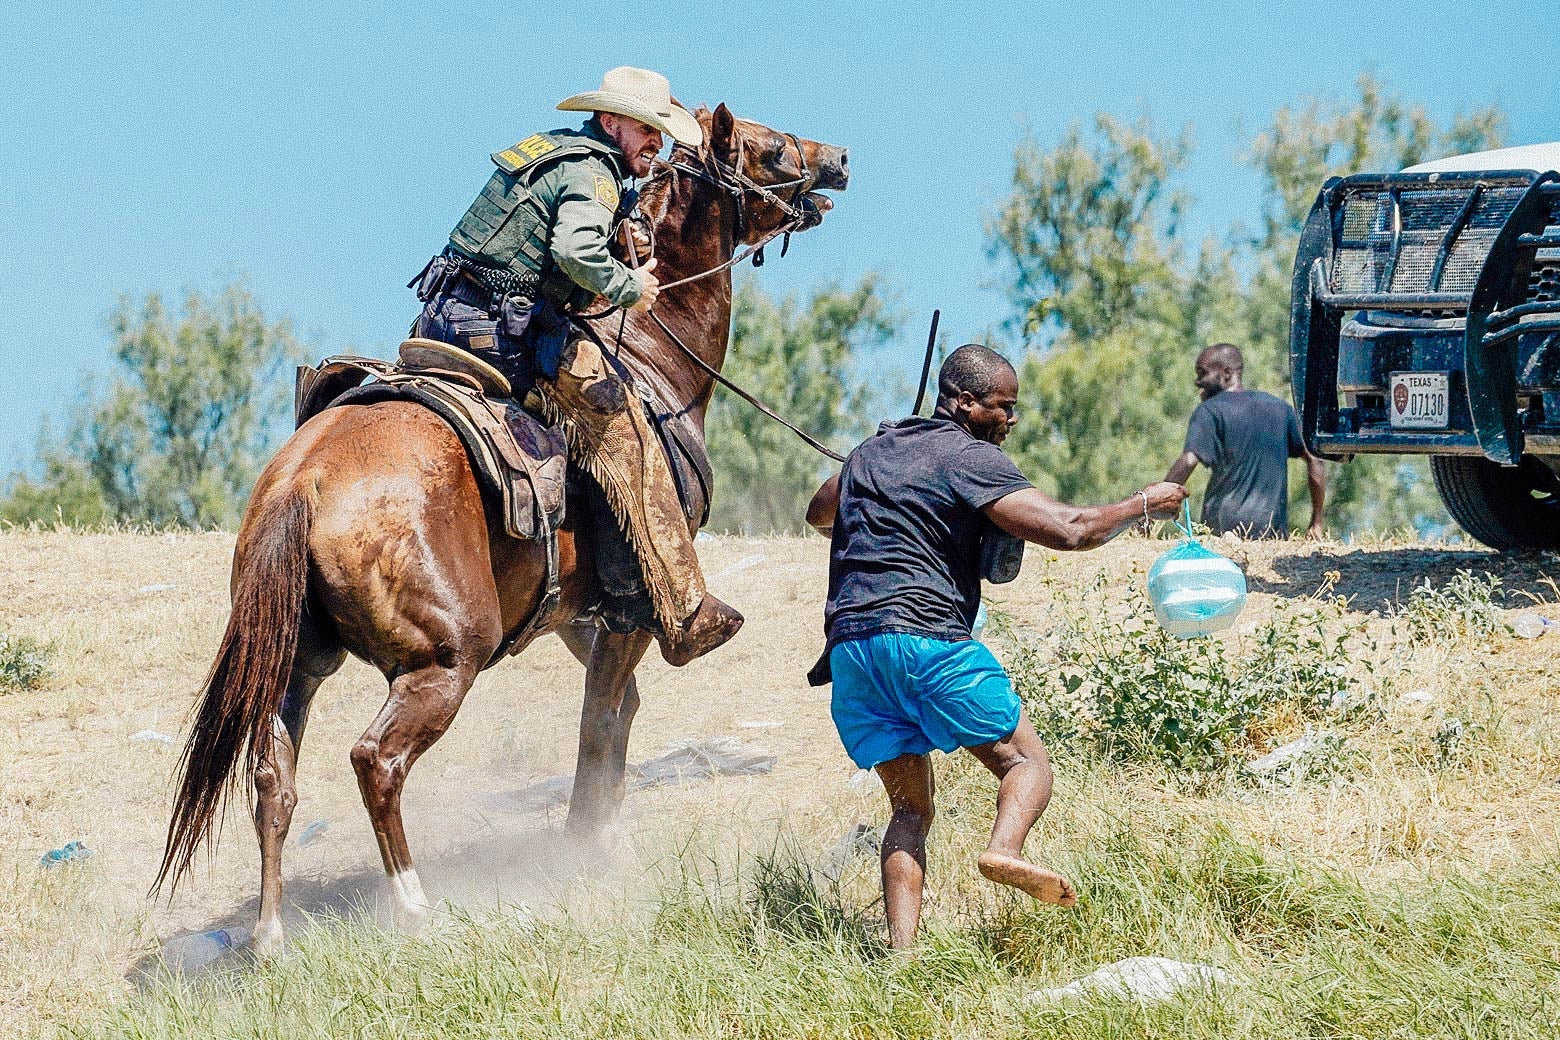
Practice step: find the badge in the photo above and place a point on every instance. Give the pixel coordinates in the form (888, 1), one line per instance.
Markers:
(607, 192)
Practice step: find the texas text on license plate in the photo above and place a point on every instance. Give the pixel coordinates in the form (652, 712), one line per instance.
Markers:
(1418, 400)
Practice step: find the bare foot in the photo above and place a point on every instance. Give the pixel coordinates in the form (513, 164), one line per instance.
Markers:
(1045, 885)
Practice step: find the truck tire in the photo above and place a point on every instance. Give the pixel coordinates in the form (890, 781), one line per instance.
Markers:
(1503, 508)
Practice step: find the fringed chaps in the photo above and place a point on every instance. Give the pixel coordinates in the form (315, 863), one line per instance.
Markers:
(610, 437)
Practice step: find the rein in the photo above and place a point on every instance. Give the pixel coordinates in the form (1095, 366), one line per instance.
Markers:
(801, 214)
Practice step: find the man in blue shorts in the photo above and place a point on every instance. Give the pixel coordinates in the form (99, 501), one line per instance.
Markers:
(907, 517)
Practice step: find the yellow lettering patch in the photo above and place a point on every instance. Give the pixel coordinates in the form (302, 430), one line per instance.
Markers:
(529, 150)
(535, 145)
(607, 192)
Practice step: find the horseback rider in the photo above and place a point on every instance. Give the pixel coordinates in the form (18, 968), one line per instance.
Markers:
(532, 250)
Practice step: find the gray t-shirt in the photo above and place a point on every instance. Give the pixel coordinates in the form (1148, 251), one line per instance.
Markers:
(905, 555)
(1246, 439)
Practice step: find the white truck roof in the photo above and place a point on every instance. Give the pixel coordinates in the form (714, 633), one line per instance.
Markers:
(1537, 157)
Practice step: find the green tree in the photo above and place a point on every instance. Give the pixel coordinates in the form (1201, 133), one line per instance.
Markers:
(1111, 306)
(180, 432)
(802, 360)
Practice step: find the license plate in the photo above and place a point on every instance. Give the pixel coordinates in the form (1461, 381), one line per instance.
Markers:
(1419, 400)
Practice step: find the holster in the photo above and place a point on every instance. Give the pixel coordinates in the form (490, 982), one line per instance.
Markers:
(543, 327)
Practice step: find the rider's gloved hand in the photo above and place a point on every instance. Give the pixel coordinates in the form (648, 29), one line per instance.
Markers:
(650, 286)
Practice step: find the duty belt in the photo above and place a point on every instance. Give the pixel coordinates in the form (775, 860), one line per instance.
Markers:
(469, 289)
(481, 286)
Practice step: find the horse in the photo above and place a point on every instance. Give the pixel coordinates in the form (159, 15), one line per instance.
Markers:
(367, 534)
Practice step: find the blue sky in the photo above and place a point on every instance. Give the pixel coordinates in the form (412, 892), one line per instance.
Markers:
(322, 151)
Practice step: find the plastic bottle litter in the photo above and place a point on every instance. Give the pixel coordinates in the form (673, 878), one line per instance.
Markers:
(1195, 591)
(858, 842)
(980, 622)
(313, 831)
(195, 951)
(150, 736)
(1148, 979)
(1528, 625)
(865, 781)
(70, 852)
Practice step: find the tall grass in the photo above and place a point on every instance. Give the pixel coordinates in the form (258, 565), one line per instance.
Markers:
(1314, 952)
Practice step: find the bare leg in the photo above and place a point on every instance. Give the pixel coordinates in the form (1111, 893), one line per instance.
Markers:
(611, 698)
(420, 708)
(908, 781)
(1024, 769)
(276, 792)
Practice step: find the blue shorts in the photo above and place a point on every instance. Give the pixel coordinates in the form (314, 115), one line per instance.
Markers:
(897, 694)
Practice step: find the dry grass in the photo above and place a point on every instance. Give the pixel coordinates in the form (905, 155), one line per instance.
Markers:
(130, 654)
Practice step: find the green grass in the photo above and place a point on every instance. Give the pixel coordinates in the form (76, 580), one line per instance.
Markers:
(1316, 953)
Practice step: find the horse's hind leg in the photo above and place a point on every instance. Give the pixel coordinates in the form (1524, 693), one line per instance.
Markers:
(421, 705)
(276, 793)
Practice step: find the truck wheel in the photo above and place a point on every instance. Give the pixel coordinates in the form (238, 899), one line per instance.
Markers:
(1503, 508)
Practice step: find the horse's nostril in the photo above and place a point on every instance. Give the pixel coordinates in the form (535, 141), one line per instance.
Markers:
(844, 159)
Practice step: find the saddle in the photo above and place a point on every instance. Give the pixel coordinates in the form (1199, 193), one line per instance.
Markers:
(520, 462)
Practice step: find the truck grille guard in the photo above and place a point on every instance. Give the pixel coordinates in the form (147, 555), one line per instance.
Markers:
(1483, 247)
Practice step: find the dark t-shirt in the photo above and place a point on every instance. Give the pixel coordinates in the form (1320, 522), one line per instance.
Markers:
(905, 554)
(1246, 439)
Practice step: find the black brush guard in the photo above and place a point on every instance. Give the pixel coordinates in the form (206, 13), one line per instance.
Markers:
(1480, 249)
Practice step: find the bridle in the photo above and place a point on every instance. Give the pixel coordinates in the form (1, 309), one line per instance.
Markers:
(801, 213)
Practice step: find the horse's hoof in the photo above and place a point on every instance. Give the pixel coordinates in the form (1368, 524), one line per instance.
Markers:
(267, 942)
(413, 920)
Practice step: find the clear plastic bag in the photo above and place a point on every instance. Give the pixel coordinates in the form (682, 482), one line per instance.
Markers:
(1195, 591)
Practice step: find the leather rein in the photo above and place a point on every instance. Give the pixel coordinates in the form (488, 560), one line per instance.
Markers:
(800, 215)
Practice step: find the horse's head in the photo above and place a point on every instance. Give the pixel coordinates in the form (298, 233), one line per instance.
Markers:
(775, 177)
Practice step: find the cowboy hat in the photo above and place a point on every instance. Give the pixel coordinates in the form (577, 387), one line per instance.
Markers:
(643, 95)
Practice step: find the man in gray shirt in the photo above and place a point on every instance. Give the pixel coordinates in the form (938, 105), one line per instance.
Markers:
(1246, 438)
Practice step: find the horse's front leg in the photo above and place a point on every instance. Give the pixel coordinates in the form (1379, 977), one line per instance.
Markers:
(611, 698)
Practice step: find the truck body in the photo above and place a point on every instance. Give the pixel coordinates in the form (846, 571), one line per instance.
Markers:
(1425, 319)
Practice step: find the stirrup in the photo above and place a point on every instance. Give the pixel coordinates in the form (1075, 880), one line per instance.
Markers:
(419, 353)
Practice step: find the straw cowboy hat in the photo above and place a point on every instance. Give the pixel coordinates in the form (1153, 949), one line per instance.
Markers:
(643, 95)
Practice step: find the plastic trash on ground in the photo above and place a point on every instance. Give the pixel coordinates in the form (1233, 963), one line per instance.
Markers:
(313, 831)
(150, 736)
(1148, 979)
(1528, 625)
(190, 953)
(859, 842)
(865, 781)
(70, 852)
(1195, 591)
(689, 759)
(695, 758)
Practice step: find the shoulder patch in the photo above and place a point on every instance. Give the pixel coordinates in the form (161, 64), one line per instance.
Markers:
(606, 192)
(525, 152)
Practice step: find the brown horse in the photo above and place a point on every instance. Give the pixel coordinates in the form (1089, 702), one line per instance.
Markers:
(367, 534)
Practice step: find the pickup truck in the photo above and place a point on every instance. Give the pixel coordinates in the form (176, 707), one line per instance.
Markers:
(1425, 319)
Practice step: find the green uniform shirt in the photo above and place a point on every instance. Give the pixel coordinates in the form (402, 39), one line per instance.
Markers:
(561, 204)
(582, 194)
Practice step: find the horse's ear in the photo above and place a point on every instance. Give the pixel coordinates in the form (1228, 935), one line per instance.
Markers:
(723, 130)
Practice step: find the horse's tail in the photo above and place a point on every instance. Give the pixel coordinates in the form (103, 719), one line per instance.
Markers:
(249, 677)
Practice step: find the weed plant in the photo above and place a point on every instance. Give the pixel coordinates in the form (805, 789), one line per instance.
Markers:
(1466, 607)
(24, 663)
(1125, 688)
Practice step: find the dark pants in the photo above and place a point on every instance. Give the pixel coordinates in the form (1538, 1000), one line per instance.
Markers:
(523, 359)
